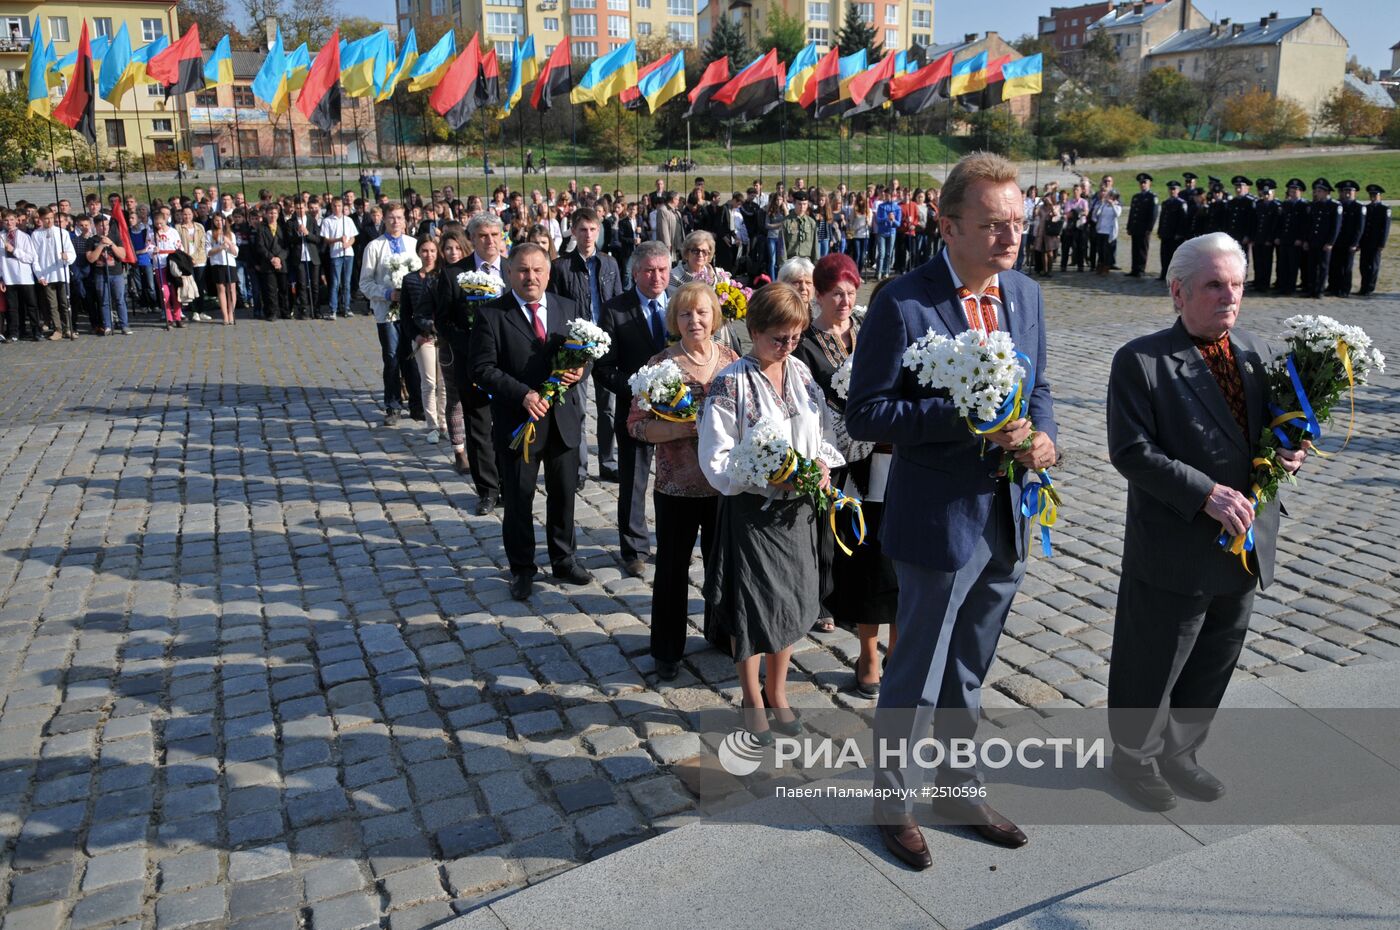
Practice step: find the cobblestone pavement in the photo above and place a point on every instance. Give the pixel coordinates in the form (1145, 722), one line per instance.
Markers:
(259, 667)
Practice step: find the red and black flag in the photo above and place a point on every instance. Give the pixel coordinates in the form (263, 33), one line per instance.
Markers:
(824, 86)
(77, 111)
(632, 98)
(756, 90)
(711, 82)
(123, 231)
(557, 77)
(488, 86)
(991, 94)
(917, 91)
(180, 68)
(319, 100)
(457, 96)
(871, 88)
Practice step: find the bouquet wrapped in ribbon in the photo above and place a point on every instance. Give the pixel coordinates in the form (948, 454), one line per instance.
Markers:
(1322, 360)
(585, 343)
(733, 299)
(765, 456)
(841, 378)
(661, 389)
(990, 384)
(401, 265)
(478, 285)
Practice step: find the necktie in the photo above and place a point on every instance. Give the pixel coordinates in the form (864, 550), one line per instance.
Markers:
(539, 323)
(658, 327)
(981, 316)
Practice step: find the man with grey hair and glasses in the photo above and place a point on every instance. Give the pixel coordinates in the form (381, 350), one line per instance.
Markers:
(1186, 406)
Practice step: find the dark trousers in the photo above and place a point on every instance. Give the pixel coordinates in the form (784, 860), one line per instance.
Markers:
(1315, 274)
(518, 480)
(1141, 241)
(1289, 261)
(1263, 265)
(1339, 272)
(633, 467)
(1370, 269)
(678, 521)
(481, 452)
(949, 624)
(400, 370)
(1169, 247)
(602, 402)
(308, 288)
(22, 311)
(87, 301)
(1172, 658)
(60, 311)
(272, 294)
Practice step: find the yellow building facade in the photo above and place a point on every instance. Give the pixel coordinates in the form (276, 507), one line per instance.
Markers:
(897, 25)
(142, 122)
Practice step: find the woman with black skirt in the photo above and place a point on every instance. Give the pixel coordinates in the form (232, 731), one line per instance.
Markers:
(859, 589)
(452, 325)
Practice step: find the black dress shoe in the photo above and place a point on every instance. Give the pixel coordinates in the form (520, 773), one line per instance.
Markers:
(904, 839)
(607, 474)
(869, 689)
(667, 671)
(635, 567)
(520, 586)
(1191, 779)
(987, 821)
(1148, 789)
(486, 505)
(573, 574)
(391, 418)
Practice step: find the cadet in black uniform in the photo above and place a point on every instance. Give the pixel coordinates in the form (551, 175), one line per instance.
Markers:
(1172, 227)
(1242, 215)
(1142, 217)
(1189, 191)
(1324, 223)
(1348, 241)
(1217, 208)
(1374, 232)
(1293, 222)
(1197, 214)
(1268, 213)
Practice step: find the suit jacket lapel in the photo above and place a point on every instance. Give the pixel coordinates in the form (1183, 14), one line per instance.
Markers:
(1252, 374)
(947, 307)
(1192, 369)
(514, 316)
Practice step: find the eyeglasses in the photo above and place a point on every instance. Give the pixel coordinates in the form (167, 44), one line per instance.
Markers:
(780, 342)
(995, 230)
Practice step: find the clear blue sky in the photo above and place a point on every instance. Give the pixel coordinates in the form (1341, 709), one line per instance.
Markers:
(1370, 31)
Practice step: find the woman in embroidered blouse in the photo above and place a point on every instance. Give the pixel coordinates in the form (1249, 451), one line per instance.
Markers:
(761, 583)
(684, 501)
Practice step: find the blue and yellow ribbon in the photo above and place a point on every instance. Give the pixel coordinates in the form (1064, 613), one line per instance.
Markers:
(840, 501)
(680, 408)
(1040, 504)
(1243, 544)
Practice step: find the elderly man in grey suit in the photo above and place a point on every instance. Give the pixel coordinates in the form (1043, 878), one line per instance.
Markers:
(1185, 410)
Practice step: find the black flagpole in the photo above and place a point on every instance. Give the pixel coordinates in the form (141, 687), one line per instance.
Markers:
(53, 166)
(544, 157)
(209, 118)
(121, 174)
(97, 172)
(520, 124)
(573, 135)
(296, 169)
(145, 167)
(760, 157)
(428, 156)
(398, 146)
(179, 173)
(617, 174)
(782, 141)
(325, 169)
(731, 156)
(456, 163)
(638, 159)
(238, 147)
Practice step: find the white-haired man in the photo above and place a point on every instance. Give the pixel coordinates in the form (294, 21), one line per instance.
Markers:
(1185, 409)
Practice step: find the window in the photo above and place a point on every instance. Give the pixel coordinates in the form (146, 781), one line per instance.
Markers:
(207, 98)
(549, 50)
(155, 90)
(506, 2)
(643, 4)
(680, 8)
(152, 29)
(867, 12)
(644, 29)
(1074, 22)
(551, 23)
(922, 38)
(1074, 39)
(682, 32)
(583, 4)
(583, 24)
(891, 38)
(922, 19)
(619, 27)
(162, 125)
(891, 16)
(14, 80)
(437, 7)
(116, 132)
(821, 35)
(102, 26)
(585, 50)
(819, 12)
(58, 28)
(243, 96)
(503, 52)
(17, 28)
(620, 5)
(247, 143)
(505, 24)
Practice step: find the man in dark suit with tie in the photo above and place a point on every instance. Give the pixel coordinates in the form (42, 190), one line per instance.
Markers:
(1185, 409)
(487, 235)
(951, 522)
(636, 320)
(513, 345)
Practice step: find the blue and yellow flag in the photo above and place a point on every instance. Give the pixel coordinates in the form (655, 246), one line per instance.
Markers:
(298, 67)
(142, 57)
(118, 73)
(219, 68)
(271, 85)
(665, 82)
(99, 45)
(365, 63)
(1022, 76)
(407, 56)
(607, 76)
(969, 76)
(432, 65)
(518, 63)
(38, 73)
(800, 71)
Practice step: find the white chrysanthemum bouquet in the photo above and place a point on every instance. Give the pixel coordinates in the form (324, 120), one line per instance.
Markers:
(1322, 360)
(478, 285)
(841, 378)
(982, 374)
(585, 343)
(400, 265)
(661, 389)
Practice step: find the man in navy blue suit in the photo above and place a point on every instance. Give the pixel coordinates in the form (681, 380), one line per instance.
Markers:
(951, 523)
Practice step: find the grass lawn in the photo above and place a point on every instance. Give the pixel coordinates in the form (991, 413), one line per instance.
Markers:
(1381, 168)
(1182, 147)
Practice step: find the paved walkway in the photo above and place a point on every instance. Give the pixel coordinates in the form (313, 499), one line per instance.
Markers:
(259, 667)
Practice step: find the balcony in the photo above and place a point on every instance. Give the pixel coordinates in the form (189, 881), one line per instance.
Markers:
(15, 44)
(548, 5)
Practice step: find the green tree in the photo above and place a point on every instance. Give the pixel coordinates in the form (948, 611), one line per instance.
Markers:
(728, 39)
(26, 138)
(1268, 121)
(1392, 130)
(213, 19)
(787, 34)
(1166, 97)
(614, 134)
(357, 27)
(1350, 114)
(1104, 130)
(997, 130)
(856, 34)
